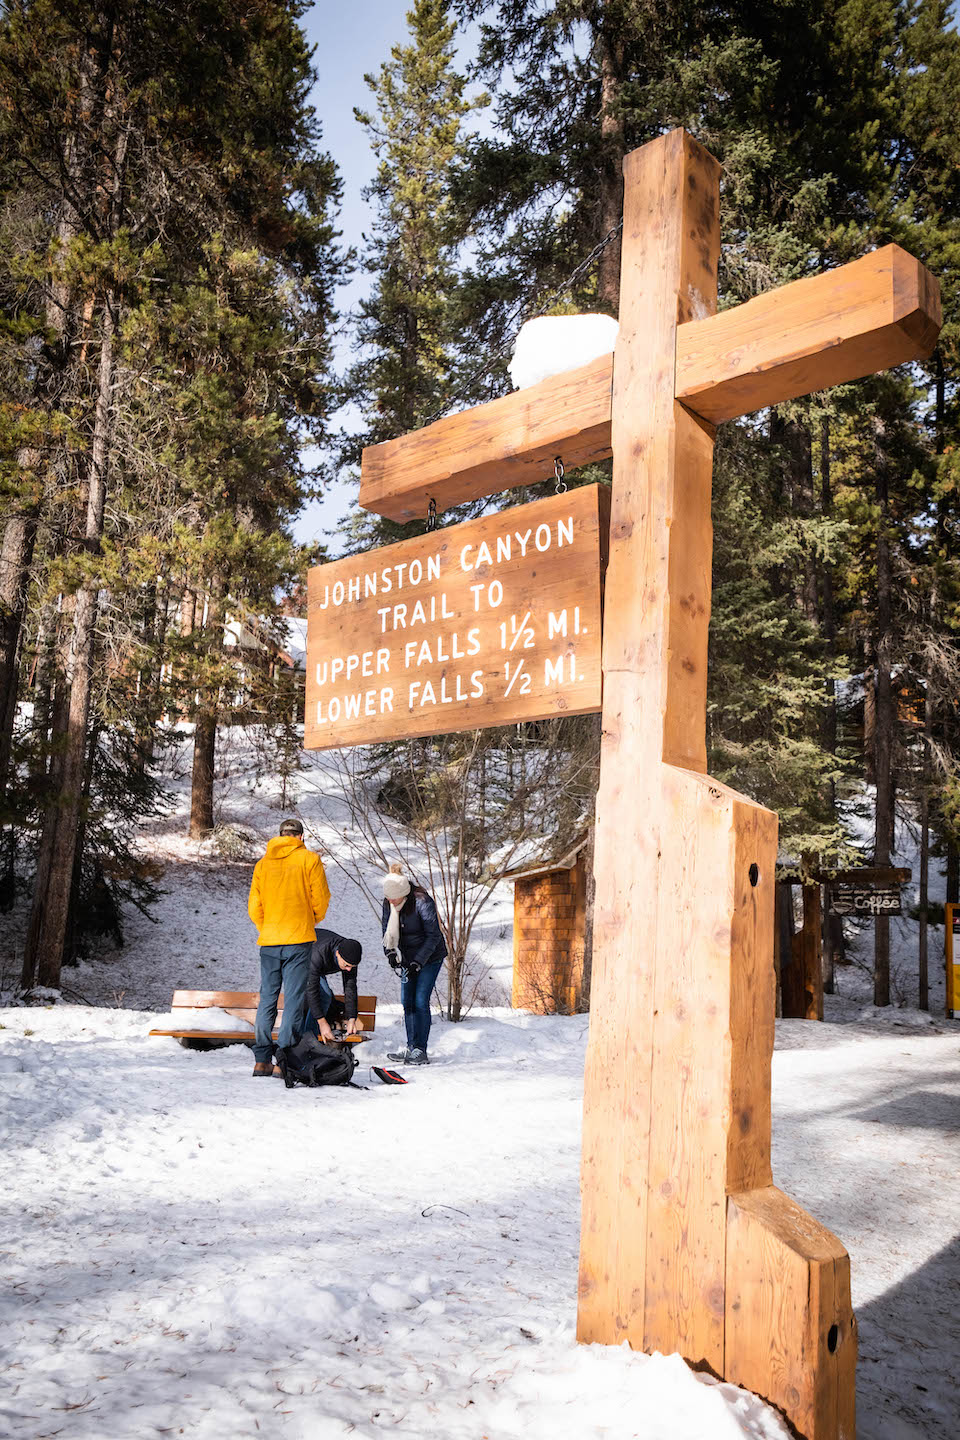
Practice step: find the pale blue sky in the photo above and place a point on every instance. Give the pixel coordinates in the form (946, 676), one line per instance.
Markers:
(352, 39)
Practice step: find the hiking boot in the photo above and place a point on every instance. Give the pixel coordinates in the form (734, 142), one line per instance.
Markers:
(399, 1057)
(263, 1067)
(417, 1057)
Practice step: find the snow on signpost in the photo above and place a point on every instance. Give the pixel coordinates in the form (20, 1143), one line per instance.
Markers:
(553, 343)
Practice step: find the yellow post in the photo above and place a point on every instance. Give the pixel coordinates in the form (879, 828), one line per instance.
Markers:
(953, 979)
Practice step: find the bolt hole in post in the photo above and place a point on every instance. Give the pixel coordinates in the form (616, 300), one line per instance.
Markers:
(754, 873)
(833, 1338)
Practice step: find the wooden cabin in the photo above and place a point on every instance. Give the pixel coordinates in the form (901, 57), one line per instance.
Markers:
(549, 932)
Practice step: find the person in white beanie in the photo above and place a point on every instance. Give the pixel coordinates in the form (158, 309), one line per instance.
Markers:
(414, 945)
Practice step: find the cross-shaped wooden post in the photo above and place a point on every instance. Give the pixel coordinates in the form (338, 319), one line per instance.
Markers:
(686, 1244)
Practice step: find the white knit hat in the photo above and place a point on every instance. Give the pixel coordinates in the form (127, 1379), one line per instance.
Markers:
(395, 884)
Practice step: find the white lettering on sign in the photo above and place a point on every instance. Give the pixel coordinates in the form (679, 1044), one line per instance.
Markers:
(480, 624)
(379, 582)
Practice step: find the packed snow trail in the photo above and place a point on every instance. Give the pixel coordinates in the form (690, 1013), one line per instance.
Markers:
(187, 1247)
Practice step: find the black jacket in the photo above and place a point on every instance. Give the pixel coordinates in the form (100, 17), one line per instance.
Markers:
(323, 961)
(421, 939)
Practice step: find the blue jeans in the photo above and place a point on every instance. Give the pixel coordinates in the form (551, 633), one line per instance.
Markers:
(310, 1026)
(282, 967)
(415, 995)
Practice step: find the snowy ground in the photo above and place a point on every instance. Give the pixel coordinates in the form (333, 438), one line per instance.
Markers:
(186, 1250)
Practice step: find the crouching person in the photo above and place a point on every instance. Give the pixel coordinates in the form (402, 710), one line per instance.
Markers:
(288, 899)
(333, 954)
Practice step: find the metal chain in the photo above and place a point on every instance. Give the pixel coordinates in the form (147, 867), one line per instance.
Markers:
(431, 515)
(550, 299)
(558, 471)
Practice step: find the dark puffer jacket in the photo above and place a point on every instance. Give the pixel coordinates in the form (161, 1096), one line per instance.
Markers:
(421, 939)
(323, 961)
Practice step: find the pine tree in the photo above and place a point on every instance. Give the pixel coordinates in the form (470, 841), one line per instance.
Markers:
(124, 159)
(406, 331)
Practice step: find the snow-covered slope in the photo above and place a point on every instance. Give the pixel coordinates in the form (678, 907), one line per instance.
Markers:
(200, 936)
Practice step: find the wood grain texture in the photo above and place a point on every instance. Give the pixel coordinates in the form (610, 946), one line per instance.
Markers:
(249, 999)
(549, 915)
(670, 247)
(820, 331)
(677, 1083)
(752, 995)
(790, 1331)
(824, 330)
(486, 623)
(505, 443)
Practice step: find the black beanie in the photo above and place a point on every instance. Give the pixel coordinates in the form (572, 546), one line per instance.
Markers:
(350, 950)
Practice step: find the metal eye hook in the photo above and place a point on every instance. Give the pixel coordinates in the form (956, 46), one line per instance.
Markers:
(431, 515)
(558, 471)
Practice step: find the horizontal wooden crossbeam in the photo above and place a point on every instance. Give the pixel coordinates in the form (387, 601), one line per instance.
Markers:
(826, 330)
(498, 446)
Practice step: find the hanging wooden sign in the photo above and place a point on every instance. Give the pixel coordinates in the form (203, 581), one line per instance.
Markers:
(486, 623)
(865, 900)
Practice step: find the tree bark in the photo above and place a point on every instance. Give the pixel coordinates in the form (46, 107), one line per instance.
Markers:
(51, 904)
(612, 150)
(883, 731)
(21, 529)
(16, 557)
(828, 728)
(204, 760)
(953, 873)
(205, 728)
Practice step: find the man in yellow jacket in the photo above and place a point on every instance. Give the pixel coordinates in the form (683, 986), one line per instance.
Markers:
(289, 896)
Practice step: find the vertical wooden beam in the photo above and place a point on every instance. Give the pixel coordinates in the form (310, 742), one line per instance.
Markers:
(677, 1085)
(656, 617)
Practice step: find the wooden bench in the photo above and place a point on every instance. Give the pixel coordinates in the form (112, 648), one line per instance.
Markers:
(243, 1004)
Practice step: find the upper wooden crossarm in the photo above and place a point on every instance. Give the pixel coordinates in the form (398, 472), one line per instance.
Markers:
(821, 331)
(498, 446)
(825, 330)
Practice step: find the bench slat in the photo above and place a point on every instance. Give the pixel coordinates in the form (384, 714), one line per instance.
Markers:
(233, 1035)
(243, 1005)
(366, 1020)
(245, 999)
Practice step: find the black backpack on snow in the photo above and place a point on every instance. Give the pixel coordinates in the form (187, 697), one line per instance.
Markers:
(312, 1063)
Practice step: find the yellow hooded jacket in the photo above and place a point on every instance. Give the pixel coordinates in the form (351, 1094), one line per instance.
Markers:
(289, 893)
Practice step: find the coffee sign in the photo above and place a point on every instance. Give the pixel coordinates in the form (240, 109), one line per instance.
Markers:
(486, 623)
(865, 900)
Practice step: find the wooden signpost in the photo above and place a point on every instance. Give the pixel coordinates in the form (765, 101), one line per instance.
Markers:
(686, 1245)
(482, 624)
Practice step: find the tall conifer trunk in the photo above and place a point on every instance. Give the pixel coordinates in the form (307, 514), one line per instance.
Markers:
(832, 924)
(52, 889)
(16, 558)
(883, 730)
(205, 729)
(613, 148)
(204, 759)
